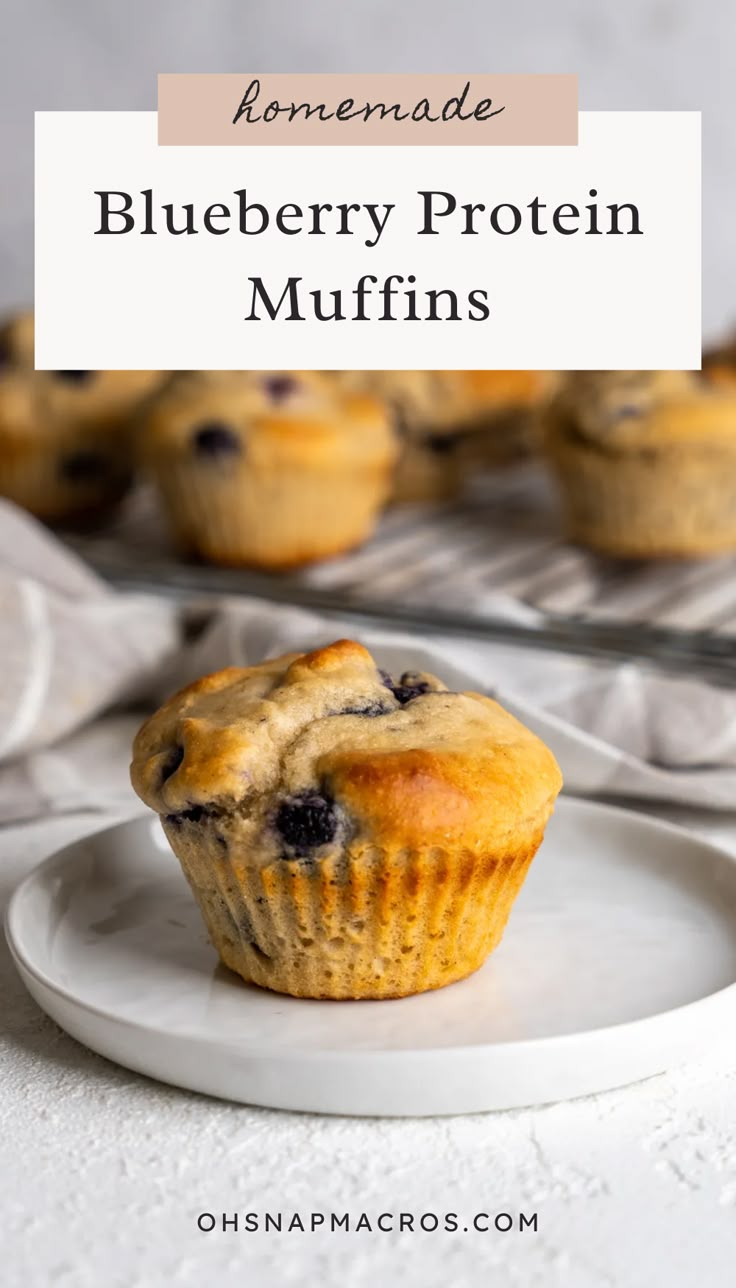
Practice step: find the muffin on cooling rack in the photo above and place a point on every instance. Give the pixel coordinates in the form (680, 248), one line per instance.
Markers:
(346, 834)
(65, 436)
(268, 469)
(646, 462)
(719, 364)
(430, 466)
(454, 423)
(502, 414)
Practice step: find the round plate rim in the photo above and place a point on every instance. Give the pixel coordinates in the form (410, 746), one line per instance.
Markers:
(555, 1043)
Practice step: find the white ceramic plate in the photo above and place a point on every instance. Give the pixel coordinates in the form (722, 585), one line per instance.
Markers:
(619, 961)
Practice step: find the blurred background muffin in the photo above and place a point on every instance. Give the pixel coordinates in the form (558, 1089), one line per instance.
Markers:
(646, 463)
(268, 469)
(501, 413)
(719, 362)
(422, 408)
(65, 436)
(455, 423)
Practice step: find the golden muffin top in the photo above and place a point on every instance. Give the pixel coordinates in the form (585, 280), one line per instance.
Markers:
(417, 400)
(506, 390)
(36, 402)
(302, 751)
(630, 410)
(269, 418)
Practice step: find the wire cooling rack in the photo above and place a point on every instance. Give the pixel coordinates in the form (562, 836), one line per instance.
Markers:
(493, 567)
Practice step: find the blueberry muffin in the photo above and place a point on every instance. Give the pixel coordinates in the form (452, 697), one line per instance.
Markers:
(346, 834)
(646, 462)
(453, 423)
(502, 414)
(65, 436)
(719, 364)
(268, 469)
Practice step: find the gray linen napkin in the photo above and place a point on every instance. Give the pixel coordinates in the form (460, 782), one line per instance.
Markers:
(70, 648)
(72, 652)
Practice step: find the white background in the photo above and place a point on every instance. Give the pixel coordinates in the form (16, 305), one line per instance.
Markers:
(559, 302)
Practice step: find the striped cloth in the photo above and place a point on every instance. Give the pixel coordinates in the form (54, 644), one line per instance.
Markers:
(76, 655)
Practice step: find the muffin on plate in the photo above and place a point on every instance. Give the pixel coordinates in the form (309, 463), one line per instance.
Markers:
(65, 436)
(646, 463)
(346, 834)
(454, 423)
(268, 469)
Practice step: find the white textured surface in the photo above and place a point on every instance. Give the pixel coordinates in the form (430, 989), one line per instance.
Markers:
(103, 1173)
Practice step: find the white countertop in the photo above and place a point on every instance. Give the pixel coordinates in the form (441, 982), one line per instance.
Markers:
(104, 1173)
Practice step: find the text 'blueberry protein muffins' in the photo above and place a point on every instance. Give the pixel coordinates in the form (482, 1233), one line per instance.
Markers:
(268, 469)
(646, 462)
(66, 447)
(346, 835)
